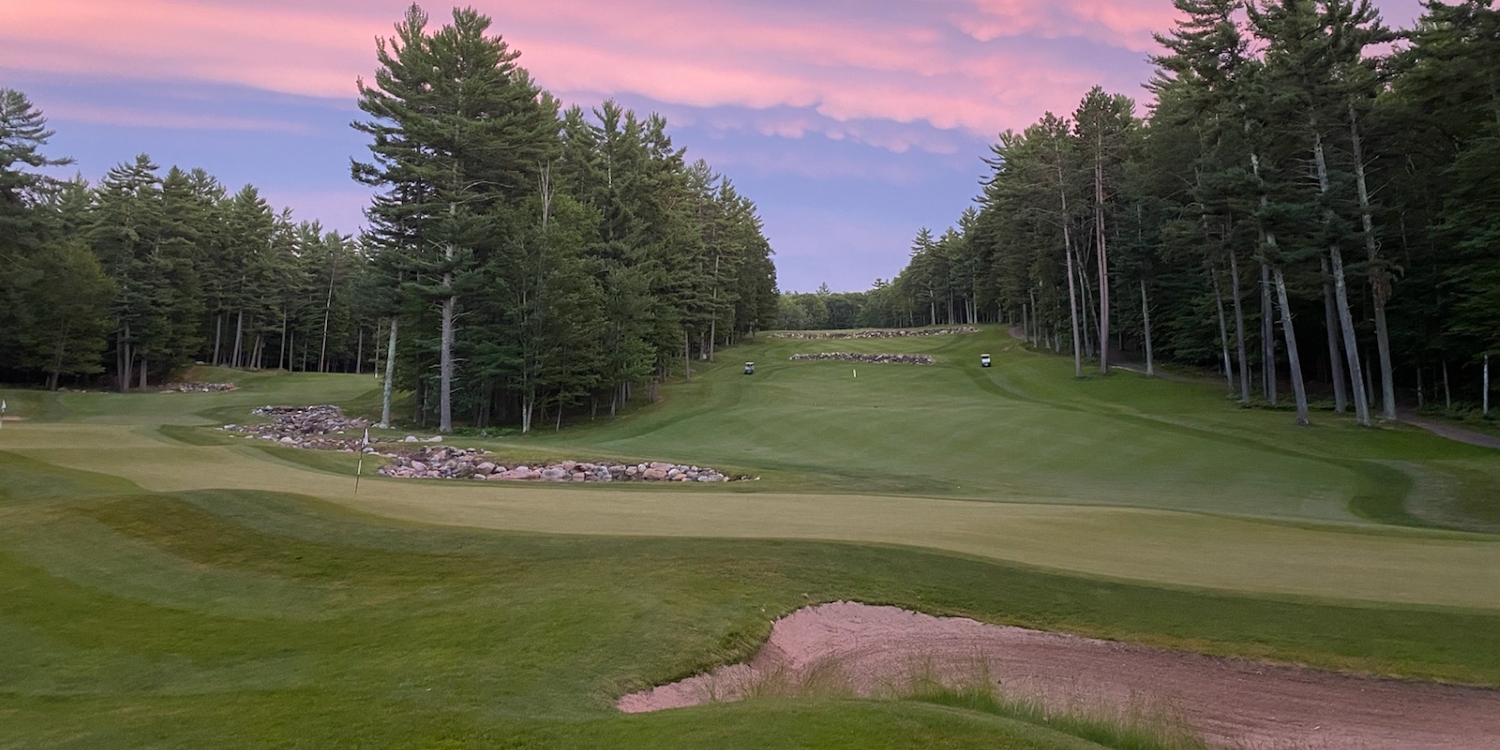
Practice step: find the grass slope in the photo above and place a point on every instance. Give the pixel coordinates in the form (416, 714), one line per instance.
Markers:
(165, 585)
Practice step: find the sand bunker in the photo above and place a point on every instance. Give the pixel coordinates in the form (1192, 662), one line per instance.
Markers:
(875, 651)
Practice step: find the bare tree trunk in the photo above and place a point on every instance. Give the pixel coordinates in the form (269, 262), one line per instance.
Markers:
(390, 377)
(445, 365)
(1447, 392)
(144, 368)
(122, 358)
(1146, 317)
(359, 354)
(1223, 332)
(1099, 244)
(218, 335)
(1267, 336)
(1380, 282)
(1087, 316)
(687, 355)
(239, 334)
(1072, 305)
(1294, 363)
(281, 356)
(1341, 295)
(1340, 398)
(1486, 385)
(1239, 328)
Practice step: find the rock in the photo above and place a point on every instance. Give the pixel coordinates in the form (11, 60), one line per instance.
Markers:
(410, 439)
(485, 468)
(655, 474)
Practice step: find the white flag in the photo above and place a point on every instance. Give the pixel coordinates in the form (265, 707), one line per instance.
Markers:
(367, 436)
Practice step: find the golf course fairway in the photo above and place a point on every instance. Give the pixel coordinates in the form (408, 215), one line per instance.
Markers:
(167, 583)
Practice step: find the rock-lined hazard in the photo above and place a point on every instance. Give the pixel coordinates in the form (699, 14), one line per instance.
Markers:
(466, 463)
(326, 428)
(887, 333)
(884, 359)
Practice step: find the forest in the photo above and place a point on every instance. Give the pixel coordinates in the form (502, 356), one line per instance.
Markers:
(521, 258)
(1310, 206)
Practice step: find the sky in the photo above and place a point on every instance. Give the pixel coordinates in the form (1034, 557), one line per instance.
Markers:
(851, 124)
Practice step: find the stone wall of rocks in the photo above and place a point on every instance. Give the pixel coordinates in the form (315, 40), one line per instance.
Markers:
(326, 428)
(463, 463)
(884, 359)
(200, 387)
(893, 333)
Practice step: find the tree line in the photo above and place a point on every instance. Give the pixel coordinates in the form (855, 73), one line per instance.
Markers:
(521, 260)
(1312, 201)
(127, 282)
(540, 258)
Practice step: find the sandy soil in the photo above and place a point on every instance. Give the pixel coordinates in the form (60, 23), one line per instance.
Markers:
(870, 650)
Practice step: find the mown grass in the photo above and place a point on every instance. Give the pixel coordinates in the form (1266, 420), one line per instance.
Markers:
(145, 616)
(167, 585)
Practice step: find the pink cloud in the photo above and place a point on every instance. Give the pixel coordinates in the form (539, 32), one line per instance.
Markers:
(946, 63)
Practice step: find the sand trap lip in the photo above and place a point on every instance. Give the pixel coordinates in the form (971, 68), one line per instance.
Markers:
(1230, 702)
(13, 419)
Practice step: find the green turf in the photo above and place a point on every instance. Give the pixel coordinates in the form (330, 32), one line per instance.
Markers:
(167, 584)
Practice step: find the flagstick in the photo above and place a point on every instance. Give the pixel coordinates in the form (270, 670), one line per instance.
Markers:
(359, 470)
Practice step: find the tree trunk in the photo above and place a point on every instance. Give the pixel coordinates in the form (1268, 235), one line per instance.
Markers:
(445, 365)
(687, 355)
(1486, 407)
(1294, 363)
(1340, 398)
(218, 335)
(281, 361)
(390, 377)
(1267, 336)
(1447, 393)
(359, 354)
(144, 368)
(239, 333)
(1239, 328)
(1341, 293)
(1103, 249)
(1380, 283)
(1223, 333)
(1072, 305)
(1090, 312)
(122, 358)
(1146, 318)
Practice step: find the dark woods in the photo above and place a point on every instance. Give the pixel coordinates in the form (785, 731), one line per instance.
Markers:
(522, 260)
(1313, 202)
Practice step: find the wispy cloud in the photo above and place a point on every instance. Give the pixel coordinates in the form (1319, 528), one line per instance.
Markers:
(143, 118)
(946, 62)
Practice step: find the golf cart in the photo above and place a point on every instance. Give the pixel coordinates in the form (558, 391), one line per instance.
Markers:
(984, 360)
(749, 368)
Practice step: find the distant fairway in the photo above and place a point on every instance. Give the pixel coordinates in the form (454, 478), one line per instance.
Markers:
(156, 571)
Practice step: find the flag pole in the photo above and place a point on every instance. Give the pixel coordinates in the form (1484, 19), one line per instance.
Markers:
(2, 412)
(359, 470)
